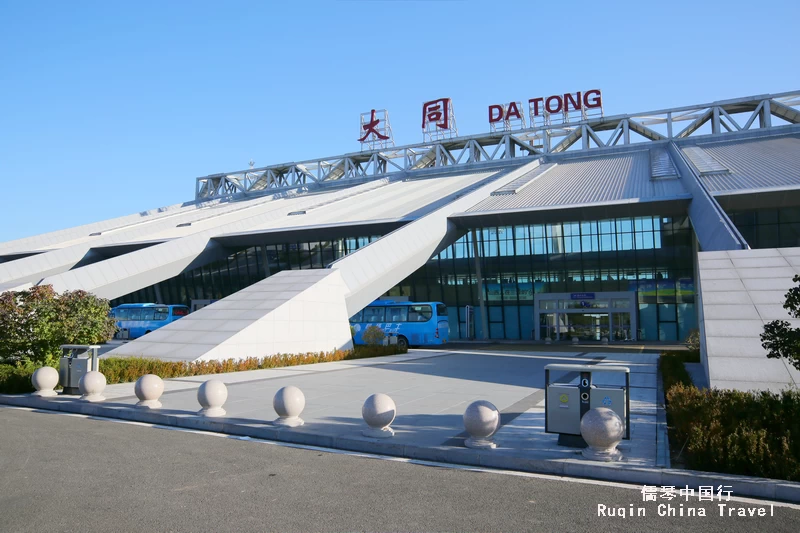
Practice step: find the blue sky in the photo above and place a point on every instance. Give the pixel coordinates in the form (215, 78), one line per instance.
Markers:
(111, 108)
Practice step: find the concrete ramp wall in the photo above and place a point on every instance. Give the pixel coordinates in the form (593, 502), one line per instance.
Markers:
(294, 311)
(740, 291)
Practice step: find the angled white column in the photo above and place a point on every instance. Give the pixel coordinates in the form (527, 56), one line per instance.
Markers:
(373, 270)
(294, 311)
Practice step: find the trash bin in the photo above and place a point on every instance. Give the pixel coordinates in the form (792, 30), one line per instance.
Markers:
(566, 402)
(76, 361)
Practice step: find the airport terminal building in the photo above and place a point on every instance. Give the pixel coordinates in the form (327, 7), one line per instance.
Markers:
(558, 223)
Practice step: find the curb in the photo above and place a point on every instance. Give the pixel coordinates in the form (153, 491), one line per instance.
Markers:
(504, 459)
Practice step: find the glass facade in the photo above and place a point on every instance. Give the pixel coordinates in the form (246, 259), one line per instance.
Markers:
(769, 228)
(244, 268)
(651, 256)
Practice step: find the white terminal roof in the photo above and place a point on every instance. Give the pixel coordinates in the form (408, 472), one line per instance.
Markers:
(587, 180)
(751, 164)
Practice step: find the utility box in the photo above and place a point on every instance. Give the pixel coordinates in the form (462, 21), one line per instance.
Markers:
(568, 400)
(76, 361)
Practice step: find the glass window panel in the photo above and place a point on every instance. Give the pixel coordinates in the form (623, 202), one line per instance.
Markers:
(767, 236)
(790, 214)
(666, 313)
(374, 314)
(767, 216)
(420, 313)
(624, 225)
(397, 313)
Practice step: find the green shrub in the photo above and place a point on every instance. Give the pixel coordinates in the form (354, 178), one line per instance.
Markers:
(672, 369)
(35, 322)
(127, 369)
(693, 340)
(373, 335)
(15, 380)
(748, 433)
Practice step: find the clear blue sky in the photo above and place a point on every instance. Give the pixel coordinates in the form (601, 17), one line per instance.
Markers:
(110, 107)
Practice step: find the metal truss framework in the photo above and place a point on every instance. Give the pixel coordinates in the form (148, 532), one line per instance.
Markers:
(595, 133)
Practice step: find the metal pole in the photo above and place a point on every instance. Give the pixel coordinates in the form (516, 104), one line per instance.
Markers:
(484, 318)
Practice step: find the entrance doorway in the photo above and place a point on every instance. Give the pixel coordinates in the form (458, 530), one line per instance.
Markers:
(587, 316)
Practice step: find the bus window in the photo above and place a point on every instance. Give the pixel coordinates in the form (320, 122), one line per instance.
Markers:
(161, 313)
(180, 311)
(420, 313)
(441, 310)
(123, 314)
(397, 314)
(136, 314)
(148, 314)
(356, 317)
(374, 314)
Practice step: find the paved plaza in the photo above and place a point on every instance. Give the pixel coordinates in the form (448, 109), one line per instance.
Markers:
(431, 389)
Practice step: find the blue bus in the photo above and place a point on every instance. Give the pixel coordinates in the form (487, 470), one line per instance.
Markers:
(413, 323)
(141, 319)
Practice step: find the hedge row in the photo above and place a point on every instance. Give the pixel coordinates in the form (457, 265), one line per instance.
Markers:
(17, 380)
(749, 433)
(672, 369)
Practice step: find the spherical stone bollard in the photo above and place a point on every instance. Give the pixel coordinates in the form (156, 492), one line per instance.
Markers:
(548, 340)
(91, 386)
(574, 340)
(378, 412)
(481, 420)
(604, 340)
(44, 380)
(289, 403)
(149, 389)
(212, 395)
(602, 429)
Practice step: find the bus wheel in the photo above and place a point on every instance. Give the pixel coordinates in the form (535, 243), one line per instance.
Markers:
(402, 343)
(146, 332)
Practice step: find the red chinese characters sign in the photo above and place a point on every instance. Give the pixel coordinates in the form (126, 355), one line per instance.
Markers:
(438, 119)
(375, 130)
(370, 129)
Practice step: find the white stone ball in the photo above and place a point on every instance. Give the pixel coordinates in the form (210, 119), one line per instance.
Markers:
(212, 393)
(481, 419)
(92, 383)
(602, 428)
(45, 378)
(379, 411)
(149, 387)
(289, 402)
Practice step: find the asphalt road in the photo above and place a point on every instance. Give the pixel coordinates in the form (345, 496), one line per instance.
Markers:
(69, 473)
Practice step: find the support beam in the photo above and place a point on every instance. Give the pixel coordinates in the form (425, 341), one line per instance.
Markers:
(479, 274)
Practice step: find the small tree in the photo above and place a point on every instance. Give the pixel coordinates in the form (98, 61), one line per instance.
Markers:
(780, 339)
(35, 322)
(693, 340)
(373, 335)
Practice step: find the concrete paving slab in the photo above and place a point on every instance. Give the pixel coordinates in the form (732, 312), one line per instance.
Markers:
(431, 389)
